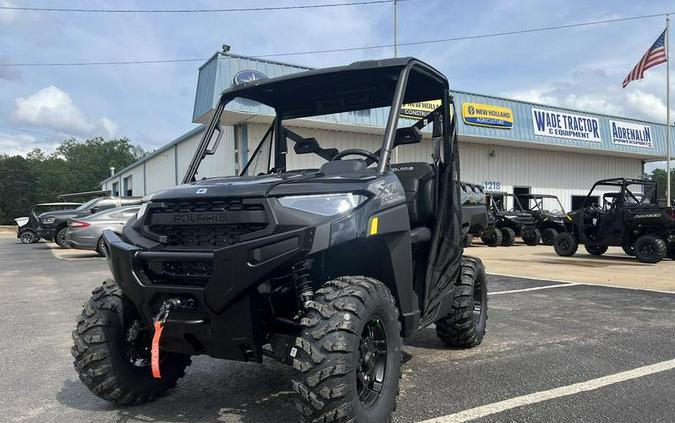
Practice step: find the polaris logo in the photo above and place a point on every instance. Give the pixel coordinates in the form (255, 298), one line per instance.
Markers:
(201, 191)
(648, 216)
(199, 218)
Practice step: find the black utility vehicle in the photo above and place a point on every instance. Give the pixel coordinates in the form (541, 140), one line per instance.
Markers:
(53, 226)
(27, 229)
(323, 269)
(474, 211)
(549, 215)
(630, 217)
(506, 223)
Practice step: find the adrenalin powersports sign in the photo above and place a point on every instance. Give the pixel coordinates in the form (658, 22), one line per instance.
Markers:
(631, 134)
(550, 123)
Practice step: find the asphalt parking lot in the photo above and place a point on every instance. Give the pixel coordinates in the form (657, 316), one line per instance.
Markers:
(553, 352)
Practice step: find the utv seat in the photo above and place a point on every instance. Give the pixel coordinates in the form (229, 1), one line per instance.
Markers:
(417, 179)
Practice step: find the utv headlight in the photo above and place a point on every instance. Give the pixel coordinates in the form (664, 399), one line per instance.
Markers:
(323, 204)
(48, 220)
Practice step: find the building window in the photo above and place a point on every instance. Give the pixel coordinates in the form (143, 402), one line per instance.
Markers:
(128, 186)
(578, 201)
(115, 189)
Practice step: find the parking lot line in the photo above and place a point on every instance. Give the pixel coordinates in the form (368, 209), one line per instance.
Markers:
(536, 288)
(537, 397)
(661, 291)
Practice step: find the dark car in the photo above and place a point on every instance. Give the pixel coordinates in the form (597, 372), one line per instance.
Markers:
(27, 227)
(54, 225)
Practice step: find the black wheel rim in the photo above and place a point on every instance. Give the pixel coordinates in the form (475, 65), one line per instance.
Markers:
(138, 345)
(647, 249)
(372, 366)
(27, 237)
(564, 244)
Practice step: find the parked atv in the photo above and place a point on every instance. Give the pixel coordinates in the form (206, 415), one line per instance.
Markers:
(474, 212)
(506, 223)
(630, 217)
(549, 215)
(323, 269)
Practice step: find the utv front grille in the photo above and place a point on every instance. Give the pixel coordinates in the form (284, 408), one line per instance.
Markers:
(205, 224)
(179, 273)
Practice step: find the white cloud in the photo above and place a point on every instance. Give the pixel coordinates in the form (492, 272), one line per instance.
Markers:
(53, 108)
(13, 144)
(649, 104)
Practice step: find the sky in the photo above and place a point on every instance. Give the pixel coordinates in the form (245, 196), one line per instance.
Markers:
(151, 104)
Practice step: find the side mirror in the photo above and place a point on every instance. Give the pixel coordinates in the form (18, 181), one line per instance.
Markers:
(306, 146)
(212, 146)
(410, 135)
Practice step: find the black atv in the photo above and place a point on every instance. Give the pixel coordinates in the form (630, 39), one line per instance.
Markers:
(474, 212)
(323, 269)
(506, 223)
(630, 217)
(549, 215)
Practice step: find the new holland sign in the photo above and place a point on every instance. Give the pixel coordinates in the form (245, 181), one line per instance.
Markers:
(632, 134)
(487, 115)
(419, 109)
(551, 123)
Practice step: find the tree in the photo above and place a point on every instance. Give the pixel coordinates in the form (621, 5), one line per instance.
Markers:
(659, 175)
(75, 166)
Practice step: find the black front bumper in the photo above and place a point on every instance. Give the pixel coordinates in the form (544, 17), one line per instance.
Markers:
(226, 322)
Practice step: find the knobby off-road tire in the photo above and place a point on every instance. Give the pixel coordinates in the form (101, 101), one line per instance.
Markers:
(629, 249)
(333, 361)
(531, 237)
(548, 236)
(566, 244)
(671, 252)
(596, 250)
(60, 238)
(464, 326)
(107, 363)
(650, 249)
(492, 237)
(508, 237)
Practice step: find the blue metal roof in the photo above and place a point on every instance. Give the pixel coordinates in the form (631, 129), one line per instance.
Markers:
(219, 71)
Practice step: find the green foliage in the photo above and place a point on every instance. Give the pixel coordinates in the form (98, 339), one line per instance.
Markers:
(75, 166)
(659, 175)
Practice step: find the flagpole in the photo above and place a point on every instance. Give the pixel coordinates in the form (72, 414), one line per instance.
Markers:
(668, 110)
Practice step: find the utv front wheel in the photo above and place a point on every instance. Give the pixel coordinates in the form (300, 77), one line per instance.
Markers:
(566, 244)
(548, 236)
(491, 237)
(349, 353)
(650, 249)
(112, 351)
(508, 237)
(628, 248)
(464, 326)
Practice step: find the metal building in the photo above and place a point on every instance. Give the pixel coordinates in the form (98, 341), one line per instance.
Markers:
(506, 145)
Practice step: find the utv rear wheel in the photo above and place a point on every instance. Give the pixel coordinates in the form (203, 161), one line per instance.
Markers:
(464, 327)
(508, 237)
(467, 240)
(28, 237)
(112, 351)
(60, 237)
(531, 237)
(548, 236)
(629, 249)
(566, 244)
(596, 250)
(492, 237)
(650, 249)
(349, 354)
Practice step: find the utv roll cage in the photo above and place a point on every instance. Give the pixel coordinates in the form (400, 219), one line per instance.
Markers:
(361, 85)
(539, 201)
(625, 196)
(494, 204)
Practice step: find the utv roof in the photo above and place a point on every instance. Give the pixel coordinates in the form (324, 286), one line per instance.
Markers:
(621, 181)
(358, 86)
(538, 195)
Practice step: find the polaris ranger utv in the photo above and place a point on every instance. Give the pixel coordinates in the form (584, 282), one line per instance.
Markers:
(323, 269)
(549, 215)
(508, 222)
(630, 217)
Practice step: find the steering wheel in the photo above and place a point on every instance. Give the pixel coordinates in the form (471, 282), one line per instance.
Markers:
(356, 152)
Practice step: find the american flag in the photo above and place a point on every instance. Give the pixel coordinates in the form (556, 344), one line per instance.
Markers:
(654, 56)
